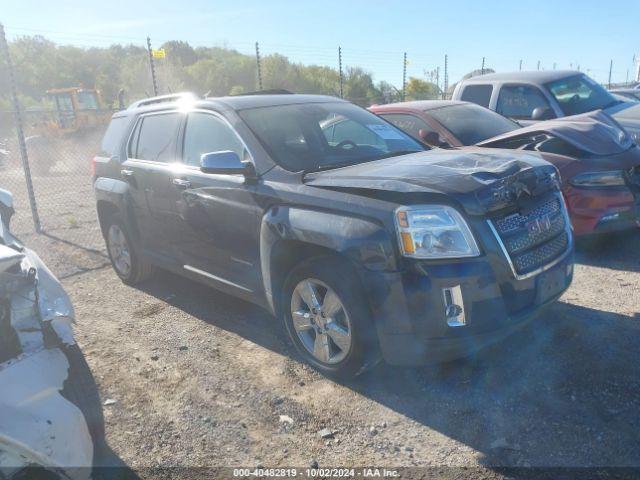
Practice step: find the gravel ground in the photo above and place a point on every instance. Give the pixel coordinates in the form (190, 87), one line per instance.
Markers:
(198, 378)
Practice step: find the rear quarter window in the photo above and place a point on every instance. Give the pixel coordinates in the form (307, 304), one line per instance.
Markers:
(113, 137)
(478, 94)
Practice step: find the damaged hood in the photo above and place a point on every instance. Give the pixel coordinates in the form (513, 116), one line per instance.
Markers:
(480, 179)
(594, 132)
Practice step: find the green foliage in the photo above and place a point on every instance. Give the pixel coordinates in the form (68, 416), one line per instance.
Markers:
(418, 89)
(41, 65)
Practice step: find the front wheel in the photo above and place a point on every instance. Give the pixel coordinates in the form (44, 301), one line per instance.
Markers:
(327, 318)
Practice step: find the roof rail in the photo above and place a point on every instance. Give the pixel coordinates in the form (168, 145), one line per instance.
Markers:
(174, 97)
(275, 91)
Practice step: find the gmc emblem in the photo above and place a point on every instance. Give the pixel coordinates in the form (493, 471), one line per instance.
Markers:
(539, 225)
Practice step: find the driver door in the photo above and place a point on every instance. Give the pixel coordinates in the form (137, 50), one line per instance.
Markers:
(217, 217)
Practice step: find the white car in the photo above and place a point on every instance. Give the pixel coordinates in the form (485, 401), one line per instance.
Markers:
(42, 397)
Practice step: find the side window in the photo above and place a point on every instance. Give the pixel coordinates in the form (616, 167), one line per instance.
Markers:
(353, 131)
(207, 133)
(478, 94)
(155, 138)
(409, 123)
(113, 136)
(519, 101)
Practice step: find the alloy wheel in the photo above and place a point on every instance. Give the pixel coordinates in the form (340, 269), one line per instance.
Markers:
(119, 250)
(321, 321)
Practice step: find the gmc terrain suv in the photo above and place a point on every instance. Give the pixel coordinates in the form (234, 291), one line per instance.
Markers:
(362, 241)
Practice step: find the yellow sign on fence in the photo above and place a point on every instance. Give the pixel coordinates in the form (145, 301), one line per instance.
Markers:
(158, 53)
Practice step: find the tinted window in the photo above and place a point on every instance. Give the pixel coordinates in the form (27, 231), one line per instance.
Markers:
(113, 136)
(408, 123)
(349, 131)
(519, 101)
(580, 94)
(299, 136)
(479, 94)
(155, 139)
(472, 124)
(207, 133)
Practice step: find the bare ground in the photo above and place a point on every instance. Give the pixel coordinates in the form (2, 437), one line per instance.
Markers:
(202, 379)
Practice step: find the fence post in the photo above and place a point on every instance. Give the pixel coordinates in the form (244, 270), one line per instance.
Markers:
(437, 78)
(404, 76)
(4, 47)
(538, 64)
(446, 77)
(153, 68)
(610, 70)
(259, 66)
(340, 70)
(520, 68)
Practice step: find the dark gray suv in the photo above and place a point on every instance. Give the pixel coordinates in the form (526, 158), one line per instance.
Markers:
(365, 244)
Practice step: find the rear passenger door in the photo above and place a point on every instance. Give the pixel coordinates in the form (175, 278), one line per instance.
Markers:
(151, 157)
(218, 218)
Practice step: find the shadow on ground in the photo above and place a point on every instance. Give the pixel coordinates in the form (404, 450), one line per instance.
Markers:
(617, 251)
(563, 391)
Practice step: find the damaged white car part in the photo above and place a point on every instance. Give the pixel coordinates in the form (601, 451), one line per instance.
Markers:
(39, 427)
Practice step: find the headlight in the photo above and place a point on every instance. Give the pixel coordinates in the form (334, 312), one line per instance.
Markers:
(435, 231)
(599, 179)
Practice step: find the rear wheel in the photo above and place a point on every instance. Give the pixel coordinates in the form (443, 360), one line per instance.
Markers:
(126, 261)
(327, 318)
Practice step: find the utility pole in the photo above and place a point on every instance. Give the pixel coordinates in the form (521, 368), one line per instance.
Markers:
(554, 65)
(340, 70)
(438, 77)
(4, 48)
(520, 68)
(446, 77)
(404, 76)
(538, 64)
(259, 66)
(482, 69)
(610, 70)
(153, 68)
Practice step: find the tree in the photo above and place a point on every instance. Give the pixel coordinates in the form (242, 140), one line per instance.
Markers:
(418, 89)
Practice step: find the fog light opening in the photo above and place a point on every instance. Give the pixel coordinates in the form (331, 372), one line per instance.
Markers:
(454, 306)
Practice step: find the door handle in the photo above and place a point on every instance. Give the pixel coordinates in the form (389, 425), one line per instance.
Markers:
(179, 182)
(126, 173)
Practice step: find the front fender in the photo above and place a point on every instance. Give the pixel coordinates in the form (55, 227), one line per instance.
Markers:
(364, 241)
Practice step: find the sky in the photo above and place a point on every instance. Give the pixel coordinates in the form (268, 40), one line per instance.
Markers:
(372, 34)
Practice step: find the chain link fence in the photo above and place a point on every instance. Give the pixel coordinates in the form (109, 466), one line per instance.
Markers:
(60, 169)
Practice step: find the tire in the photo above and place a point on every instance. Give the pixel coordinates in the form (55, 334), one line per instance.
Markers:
(330, 274)
(138, 269)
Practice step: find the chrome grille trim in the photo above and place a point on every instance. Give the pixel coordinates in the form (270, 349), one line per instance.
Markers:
(522, 276)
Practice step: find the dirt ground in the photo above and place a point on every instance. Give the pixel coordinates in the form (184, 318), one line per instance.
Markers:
(197, 378)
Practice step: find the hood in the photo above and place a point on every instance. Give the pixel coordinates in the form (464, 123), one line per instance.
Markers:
(626, 114)
(480, 179)
(594, 132)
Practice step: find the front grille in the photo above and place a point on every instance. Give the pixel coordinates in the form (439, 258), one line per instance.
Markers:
(535, 238)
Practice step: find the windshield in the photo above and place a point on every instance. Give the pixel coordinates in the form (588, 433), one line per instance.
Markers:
(313, 136)
(472, 124)
(580, 94)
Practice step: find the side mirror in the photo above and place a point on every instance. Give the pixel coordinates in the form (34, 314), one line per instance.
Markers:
(542, 113)
(224, 162)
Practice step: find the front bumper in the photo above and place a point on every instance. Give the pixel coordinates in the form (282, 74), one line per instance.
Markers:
(411, 314)
(602, 210)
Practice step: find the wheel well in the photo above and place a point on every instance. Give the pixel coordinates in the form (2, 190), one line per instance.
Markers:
(285, 256)
(105, 210)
